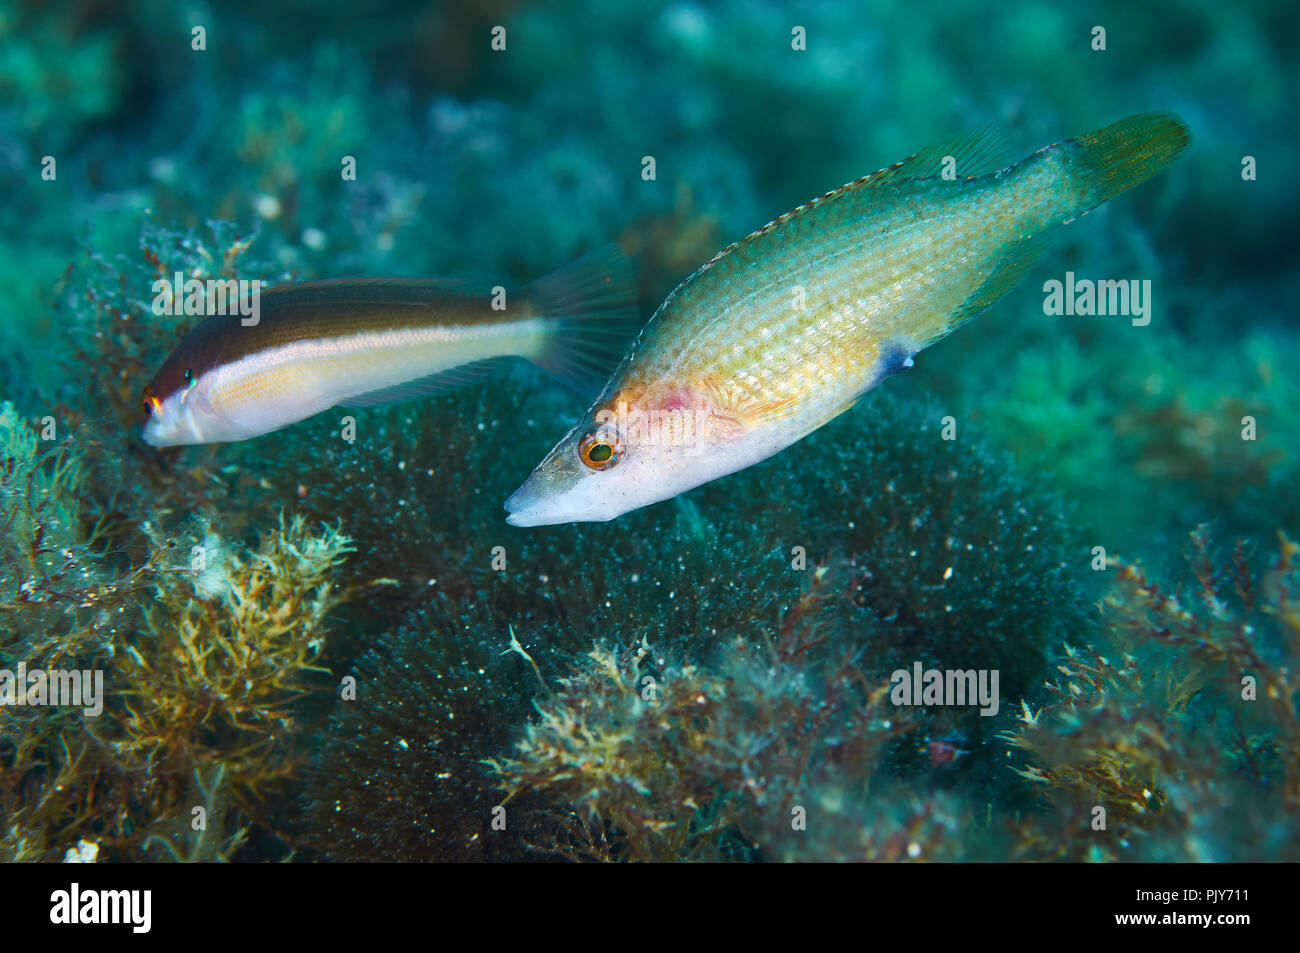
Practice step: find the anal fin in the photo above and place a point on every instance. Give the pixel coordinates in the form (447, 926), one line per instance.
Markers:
(1013, 266)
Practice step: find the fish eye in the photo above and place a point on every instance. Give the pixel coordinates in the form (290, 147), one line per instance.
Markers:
(149, 403)
(600, 449)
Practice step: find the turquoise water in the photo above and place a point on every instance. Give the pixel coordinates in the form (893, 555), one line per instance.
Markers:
(340, 649)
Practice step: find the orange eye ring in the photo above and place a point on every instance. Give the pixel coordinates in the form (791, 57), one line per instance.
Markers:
(600, 449)
(149, 403)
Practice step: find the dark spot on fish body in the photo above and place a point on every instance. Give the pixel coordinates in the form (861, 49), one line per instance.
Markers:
(894, 358)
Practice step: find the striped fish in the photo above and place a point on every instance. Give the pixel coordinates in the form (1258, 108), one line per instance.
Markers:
(355, 342)
(785, 330)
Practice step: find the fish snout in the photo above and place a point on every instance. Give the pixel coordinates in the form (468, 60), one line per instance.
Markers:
(561, 490)
(537, 504)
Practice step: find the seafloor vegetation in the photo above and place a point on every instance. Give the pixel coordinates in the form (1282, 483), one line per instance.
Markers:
(339, 651)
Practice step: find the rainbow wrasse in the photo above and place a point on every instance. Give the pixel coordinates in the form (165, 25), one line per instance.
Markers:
(355, 342)
(786, 329)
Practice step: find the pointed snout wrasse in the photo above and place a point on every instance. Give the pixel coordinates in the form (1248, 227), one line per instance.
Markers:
(355, 342)
(786, 329)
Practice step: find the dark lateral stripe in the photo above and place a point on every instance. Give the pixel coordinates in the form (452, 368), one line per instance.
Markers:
(336, 308)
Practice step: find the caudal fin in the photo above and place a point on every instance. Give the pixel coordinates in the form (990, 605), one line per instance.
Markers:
(1127, 153)
(590, 309)
(1082, 173)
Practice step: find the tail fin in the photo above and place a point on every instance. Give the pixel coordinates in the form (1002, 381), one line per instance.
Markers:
(590, 307)
(1127, 153)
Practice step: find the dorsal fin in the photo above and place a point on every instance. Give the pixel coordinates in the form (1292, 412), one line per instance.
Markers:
(974, 154)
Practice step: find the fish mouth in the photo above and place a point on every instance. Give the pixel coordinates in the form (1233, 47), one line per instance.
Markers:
(152, 434)
(527, 519)
(535, 518)
(526, 508)
(523, 510)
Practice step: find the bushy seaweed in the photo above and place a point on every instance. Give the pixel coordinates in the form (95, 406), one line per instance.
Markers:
(203, 648)
(768, 753)
(1179, 730)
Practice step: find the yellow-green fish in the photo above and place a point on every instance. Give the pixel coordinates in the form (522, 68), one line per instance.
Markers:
(354, 342)
(786, 329)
